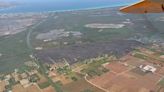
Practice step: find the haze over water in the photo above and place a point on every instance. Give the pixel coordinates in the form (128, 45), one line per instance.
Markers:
(60, 5)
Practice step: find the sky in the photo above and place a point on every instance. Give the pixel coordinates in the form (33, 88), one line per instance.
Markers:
(52, 5)
(128, 1)
(63, 2)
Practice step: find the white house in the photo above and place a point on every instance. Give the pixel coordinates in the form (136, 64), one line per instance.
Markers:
(148, 68)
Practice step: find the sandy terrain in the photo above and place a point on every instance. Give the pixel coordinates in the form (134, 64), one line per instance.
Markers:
(32, 88)
(2, 86)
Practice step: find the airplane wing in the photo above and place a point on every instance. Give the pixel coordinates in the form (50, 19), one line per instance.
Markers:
(145, 6)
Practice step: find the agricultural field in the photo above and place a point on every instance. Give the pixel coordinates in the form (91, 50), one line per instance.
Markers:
(80, 86)
(32, 88)
(126, 75)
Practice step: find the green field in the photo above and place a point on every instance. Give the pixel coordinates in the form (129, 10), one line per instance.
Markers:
(14, 52)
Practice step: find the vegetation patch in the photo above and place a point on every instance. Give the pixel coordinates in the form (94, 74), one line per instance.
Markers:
(95, 68)
(161, 83)
(44, 85)
(141, 56)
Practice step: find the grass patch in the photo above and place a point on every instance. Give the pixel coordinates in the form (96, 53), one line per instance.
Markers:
(95, 68)
(67, 71)
(141, 56)
(64, 70)
(58, 86)
(161, 83)
(14, 52)
(44, 85)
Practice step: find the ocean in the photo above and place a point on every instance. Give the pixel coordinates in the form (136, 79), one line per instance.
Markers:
(24, 6)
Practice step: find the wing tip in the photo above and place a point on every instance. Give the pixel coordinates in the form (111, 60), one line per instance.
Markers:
(125, 8)
(141, 8)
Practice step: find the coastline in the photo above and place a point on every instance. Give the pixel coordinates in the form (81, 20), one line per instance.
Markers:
(61, 11)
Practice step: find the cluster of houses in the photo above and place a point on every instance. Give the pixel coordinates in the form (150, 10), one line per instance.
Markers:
(24, 78)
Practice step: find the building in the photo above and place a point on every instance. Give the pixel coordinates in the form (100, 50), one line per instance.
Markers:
(147, 68)
(8, 77)
(24, 75)
(15, 76)
(30, 73)
(25, 83)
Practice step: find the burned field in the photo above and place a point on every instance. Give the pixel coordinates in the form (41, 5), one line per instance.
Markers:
(81, 52)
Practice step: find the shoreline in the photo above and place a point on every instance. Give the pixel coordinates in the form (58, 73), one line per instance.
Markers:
(62, 11)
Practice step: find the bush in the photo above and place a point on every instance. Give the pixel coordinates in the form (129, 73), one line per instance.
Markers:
(44, 85)
(74, 78)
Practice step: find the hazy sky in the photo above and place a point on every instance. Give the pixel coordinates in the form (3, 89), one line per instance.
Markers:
(114, 2)
(52, 5)
(71, 0)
